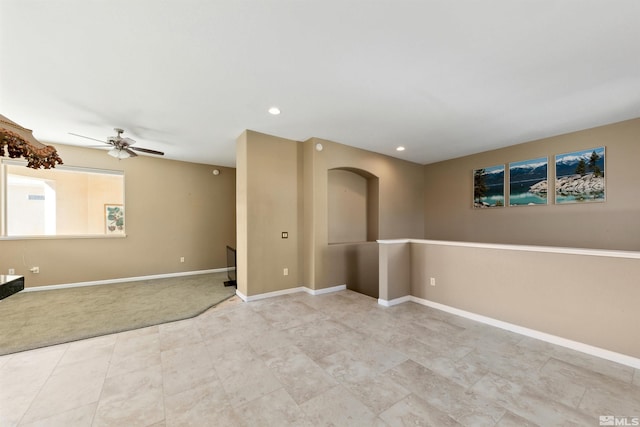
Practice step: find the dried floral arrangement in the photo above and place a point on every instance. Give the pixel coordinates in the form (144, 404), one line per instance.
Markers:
(19, 142)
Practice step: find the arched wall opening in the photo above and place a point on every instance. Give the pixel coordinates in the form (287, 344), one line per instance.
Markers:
(352, 204)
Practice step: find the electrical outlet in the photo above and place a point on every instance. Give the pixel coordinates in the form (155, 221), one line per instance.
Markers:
(432, 281)
(181, 259)
(35, 270)
(285, 271)
(12, 271)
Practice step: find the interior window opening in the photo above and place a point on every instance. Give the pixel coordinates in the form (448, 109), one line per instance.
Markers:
(65, 201)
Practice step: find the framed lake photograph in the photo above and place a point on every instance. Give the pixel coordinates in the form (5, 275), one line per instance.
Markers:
(580, 176)
(114, 219)
(528, 182)
(488, 187)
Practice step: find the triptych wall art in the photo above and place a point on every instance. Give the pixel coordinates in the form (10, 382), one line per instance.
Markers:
(579, 178)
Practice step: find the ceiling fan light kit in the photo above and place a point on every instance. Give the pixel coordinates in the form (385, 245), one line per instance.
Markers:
(118, 154)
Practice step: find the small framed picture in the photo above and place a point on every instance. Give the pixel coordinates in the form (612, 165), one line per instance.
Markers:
(488, 187)
(114, 219)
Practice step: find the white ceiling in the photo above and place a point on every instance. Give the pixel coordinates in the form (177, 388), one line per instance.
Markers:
(443, 78)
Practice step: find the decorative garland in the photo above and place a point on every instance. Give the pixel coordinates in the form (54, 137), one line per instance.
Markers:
(37, 155)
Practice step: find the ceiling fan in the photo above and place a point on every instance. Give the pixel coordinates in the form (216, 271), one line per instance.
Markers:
(122, 146)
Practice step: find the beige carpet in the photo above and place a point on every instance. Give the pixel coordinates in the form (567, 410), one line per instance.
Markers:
(31, 320)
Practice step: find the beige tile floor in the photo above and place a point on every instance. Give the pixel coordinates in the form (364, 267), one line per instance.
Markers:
(299, 360)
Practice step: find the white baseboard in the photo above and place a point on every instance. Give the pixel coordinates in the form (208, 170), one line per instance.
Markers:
(310, 291)
(242, 296)
(257, 297)
(324, 290)
(124, 279)
(602, 353)
(395, 301)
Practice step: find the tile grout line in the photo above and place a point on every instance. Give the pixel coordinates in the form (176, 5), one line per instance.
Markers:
(104, 380)
(44, 383)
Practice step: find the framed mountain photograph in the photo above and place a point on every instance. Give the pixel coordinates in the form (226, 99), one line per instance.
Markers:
(488, 187)
(528, 182)
(580, 176)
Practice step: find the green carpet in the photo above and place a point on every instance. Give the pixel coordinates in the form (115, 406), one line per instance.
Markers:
(31, 320)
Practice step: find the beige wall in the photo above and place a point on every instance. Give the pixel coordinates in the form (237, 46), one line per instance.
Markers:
(72, 207)
(583, 298)
(395, 271)
(610, 225)
(104, 189)
(588, 299)
(287, 190)
(354, 265)
(269, 203)
(242, 208)
(399, 211)
(347, 207)
(173, 209)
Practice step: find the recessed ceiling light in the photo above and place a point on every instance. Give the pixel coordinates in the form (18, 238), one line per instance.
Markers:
(400, 148)
(274, 110)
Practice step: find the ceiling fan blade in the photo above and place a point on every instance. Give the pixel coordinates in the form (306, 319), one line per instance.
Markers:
(146, 150)
(127, 141)
(87, 137)
(131, 153)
